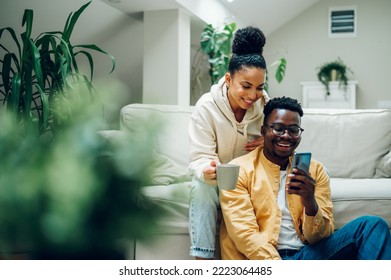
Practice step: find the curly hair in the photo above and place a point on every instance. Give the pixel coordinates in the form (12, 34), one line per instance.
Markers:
(282, 103)
(247, 49)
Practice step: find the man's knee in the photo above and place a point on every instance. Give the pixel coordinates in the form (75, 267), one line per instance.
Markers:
(374, 221)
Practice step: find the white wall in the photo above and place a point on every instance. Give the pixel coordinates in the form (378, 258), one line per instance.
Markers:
(166, 74)
(304, 42)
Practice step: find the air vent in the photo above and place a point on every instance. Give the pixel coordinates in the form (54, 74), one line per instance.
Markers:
(342, 22)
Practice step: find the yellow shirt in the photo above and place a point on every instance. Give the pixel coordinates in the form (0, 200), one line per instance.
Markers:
(252, 218)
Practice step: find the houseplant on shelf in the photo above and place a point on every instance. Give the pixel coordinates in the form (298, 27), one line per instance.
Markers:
(333, 71)
(41, 69)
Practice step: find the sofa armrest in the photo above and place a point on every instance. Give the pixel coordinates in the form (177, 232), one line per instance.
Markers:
(112, 135)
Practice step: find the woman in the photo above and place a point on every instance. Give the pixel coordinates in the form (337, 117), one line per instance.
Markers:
(224, 125)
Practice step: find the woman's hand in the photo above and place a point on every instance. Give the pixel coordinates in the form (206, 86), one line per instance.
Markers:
(252, 145)
(210, 175)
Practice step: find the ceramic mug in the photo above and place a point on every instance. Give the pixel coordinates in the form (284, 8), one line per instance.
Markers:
(227, 175)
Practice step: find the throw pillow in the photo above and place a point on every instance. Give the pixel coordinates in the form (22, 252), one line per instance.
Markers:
(383, 169)
(165, 171)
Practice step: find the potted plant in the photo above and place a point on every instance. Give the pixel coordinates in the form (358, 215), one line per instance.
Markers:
(216, 43)
(41, 69)
(333, 71)
(80, 196)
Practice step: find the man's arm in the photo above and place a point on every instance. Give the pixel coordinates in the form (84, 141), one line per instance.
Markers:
(315, 196)
(241, 223)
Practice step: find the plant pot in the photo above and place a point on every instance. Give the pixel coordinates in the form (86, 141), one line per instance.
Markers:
(333, 75)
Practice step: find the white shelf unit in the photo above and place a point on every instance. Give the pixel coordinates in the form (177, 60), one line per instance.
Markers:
(315, 95)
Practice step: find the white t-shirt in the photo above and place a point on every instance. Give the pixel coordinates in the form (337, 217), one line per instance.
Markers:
(288, 238)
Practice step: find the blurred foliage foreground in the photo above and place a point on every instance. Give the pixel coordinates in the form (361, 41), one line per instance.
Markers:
(75, 195)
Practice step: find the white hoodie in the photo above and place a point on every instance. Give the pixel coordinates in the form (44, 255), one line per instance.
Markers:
(214, 132)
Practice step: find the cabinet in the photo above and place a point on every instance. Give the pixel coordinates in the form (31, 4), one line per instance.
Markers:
(315, 95)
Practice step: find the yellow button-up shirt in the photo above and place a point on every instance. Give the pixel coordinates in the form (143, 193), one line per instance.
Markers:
(252, 218)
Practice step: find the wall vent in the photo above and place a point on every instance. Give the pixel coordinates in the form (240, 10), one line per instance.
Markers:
(342, 22)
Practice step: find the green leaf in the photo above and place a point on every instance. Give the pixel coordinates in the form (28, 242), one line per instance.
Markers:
(230, 28)
(207, 39)
(28, 85)
(89, 85)
(36, 61)
(28, 21)
(13, 35)
(44, 119)
(13, 99)
(6, 72)
(71, 21)
(98, 49)
(64, 71)
(90, 61)
(280, 72)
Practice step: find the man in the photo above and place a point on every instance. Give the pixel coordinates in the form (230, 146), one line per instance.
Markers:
(279, 213)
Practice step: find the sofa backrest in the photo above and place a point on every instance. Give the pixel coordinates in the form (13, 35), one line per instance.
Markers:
(173, 138)
(349, 143)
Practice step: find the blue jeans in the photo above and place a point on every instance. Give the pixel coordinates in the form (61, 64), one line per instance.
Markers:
(365, 238)
(204, 202)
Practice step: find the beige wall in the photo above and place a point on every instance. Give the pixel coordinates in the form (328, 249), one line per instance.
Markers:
(305, 43)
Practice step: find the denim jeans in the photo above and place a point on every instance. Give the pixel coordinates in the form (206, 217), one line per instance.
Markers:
(365, 238)
(204, 202)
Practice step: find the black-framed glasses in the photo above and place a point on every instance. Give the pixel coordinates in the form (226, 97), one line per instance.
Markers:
(279, 129)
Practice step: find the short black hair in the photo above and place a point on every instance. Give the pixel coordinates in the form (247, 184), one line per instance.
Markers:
(282, 103)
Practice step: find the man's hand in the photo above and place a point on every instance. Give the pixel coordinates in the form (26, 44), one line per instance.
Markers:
(252, 145)
(210, 175)
(303, 184)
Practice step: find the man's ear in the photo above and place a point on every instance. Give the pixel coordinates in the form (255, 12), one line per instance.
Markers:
(263, 132)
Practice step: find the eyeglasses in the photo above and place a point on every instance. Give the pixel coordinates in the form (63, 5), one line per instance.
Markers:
(279, 129)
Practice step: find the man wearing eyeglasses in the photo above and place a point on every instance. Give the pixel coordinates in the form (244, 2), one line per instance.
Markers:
(265, 218)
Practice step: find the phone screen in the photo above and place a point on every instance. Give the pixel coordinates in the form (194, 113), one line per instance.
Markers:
(301, 161)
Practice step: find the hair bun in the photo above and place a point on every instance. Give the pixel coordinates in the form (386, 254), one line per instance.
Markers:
(248, 40)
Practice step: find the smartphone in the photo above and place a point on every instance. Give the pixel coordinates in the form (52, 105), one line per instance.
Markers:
(301, 161)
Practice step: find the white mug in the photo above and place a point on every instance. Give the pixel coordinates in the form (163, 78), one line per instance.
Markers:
(227, 175)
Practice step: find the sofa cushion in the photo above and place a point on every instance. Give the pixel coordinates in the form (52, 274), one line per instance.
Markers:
(349, 143)
(357, 197)
(173, 139)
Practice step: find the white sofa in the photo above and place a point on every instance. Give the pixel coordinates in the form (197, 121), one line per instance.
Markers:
(354, 145)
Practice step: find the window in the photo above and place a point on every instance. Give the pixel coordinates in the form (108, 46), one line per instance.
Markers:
(342, 22)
